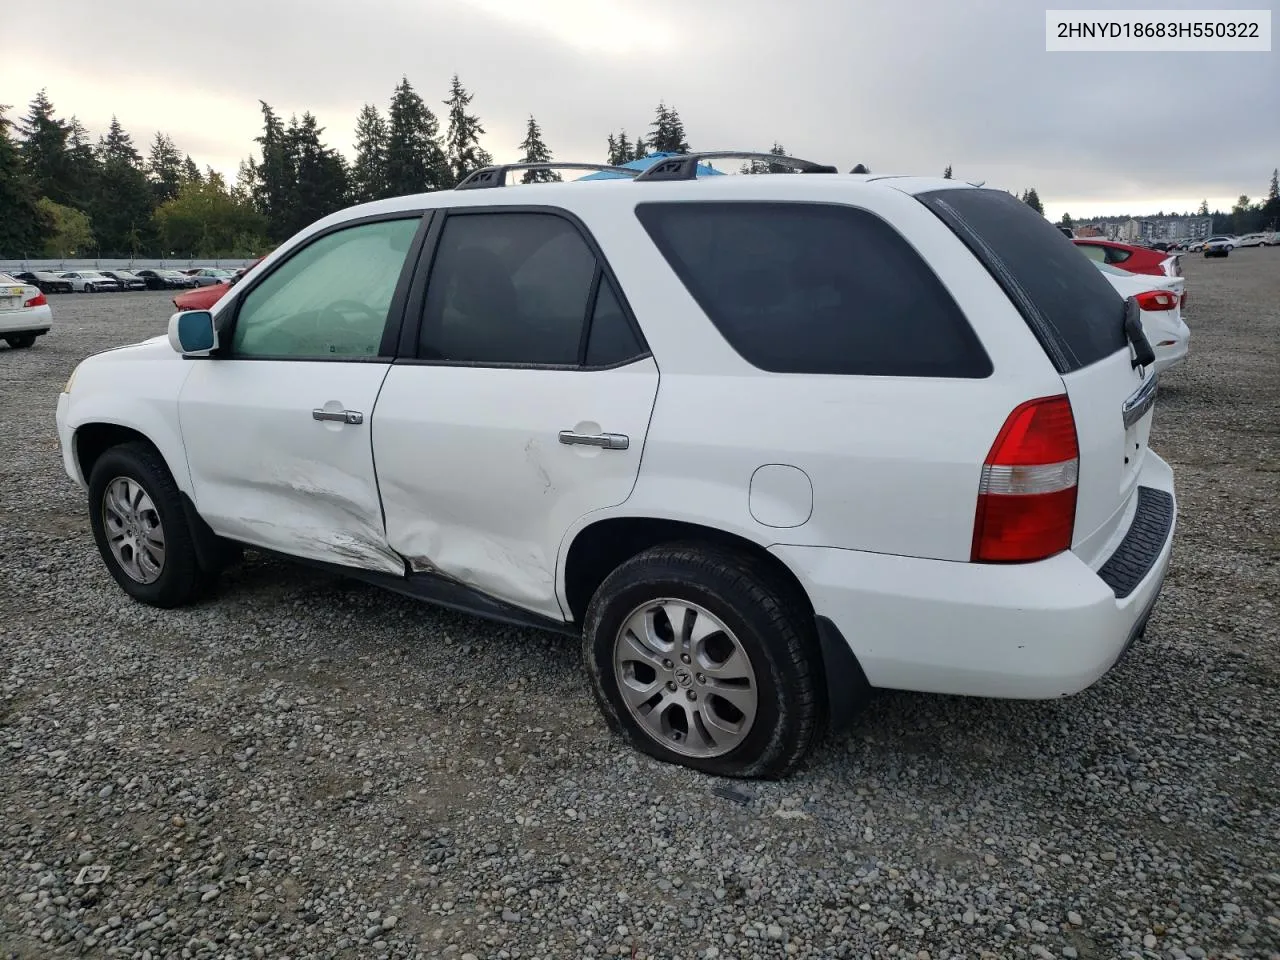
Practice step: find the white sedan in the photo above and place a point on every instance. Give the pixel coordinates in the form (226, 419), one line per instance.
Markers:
(24, 313)
(90, 281)
(1161, 300)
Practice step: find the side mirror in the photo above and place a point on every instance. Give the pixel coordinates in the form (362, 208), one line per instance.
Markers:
(192, 333)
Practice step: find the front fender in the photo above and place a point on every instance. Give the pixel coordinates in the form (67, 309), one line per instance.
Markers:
(119, 390)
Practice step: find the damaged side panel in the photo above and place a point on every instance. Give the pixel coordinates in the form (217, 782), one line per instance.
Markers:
(477, 485)
(267, 473)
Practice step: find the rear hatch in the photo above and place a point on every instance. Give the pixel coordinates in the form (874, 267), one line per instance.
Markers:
(1078, 318)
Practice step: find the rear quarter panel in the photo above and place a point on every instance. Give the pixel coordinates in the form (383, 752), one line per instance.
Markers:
(894, 462)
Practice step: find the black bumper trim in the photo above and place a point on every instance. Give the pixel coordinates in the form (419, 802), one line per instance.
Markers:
(1141, 546)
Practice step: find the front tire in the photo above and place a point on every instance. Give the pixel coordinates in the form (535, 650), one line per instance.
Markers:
(705, 657)
(136, 513)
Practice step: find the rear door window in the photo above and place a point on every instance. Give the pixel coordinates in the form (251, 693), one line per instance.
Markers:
(1075, 313)
(816, 289)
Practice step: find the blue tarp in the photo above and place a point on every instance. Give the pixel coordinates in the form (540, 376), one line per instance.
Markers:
(644, 164)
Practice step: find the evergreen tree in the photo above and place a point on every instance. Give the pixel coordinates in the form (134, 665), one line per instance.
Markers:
(369, 172)
(23, 227)
(1067, 221)
(1032, 199)
(273, 193)
(123, 201)
(83, 168)
(463, 141)
(1204, 209)
(44, 150)
(536, 151)
(946, 174)
(622, 150)
(667, 131)
(164, 168)
(319, 175)
(1273, 192)
(415, 159)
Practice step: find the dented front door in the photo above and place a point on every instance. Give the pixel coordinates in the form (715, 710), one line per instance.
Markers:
(280, 457)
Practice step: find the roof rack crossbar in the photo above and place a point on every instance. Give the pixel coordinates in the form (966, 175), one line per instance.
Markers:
(496, 176)
(685, 166)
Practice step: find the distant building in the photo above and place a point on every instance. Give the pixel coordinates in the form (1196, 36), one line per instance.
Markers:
(1150, 229)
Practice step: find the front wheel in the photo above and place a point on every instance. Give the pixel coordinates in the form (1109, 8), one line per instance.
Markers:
(136, 513)
(707, 658)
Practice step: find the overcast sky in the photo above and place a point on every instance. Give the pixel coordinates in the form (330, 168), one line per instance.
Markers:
(904, 87)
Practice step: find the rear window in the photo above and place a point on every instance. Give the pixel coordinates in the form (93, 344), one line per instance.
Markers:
(1075, 313)
(816, 289)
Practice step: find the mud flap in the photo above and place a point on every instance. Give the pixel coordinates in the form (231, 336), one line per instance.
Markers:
(847, 686)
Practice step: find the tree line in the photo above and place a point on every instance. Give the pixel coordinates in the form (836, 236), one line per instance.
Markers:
(63, 195)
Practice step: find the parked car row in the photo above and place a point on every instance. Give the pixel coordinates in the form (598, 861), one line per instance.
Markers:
(98, 281)
(1215, 245)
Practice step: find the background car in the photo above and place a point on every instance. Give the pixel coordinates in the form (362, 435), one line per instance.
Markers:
(1219, 246)
(163, 279)
(205, 297)
(127, 280)
(1254, 240)
(44, 281)
(204, 276)
(90, 281)
(24, 312)
(1161, 300)
(1128, 256)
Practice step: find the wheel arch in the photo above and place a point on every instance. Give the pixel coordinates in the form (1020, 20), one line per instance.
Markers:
(600, 546)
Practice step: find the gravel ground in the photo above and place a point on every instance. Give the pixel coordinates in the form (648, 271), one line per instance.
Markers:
(305, 767)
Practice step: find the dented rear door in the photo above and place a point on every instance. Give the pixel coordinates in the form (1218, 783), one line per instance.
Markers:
(519, 404)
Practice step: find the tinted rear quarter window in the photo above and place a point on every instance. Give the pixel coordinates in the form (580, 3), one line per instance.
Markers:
(816, 289)
(1073, 310)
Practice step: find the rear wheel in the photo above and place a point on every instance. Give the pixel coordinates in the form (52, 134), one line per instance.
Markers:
(20, 341)
(705, 657)
(136, 513)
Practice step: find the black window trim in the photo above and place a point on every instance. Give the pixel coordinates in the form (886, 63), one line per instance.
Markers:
(410, 331)
(977, 339)
(395, 311)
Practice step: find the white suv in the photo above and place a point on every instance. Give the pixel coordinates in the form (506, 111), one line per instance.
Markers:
(764, 442)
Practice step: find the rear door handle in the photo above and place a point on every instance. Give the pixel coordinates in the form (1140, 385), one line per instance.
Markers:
(337, 416)
(606, 441)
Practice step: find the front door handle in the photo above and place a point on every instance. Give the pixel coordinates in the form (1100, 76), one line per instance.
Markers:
(337, 416)
(607, 441)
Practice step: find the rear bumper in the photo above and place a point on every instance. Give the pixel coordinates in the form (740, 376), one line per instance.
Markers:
(30, 320)
(1026, 631)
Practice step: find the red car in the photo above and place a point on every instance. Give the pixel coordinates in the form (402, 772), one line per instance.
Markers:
(1156, 263)
(202, 298)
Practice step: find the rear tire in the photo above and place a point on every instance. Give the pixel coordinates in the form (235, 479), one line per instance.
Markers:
(20, 341)
(132, 498)
(727, 677)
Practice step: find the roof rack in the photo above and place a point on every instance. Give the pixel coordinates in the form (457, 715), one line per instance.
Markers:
(496, 176)
(685, 166)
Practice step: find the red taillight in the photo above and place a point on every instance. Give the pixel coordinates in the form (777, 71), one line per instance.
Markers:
(1027, 494)
(37, 301)
(1157, 300)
